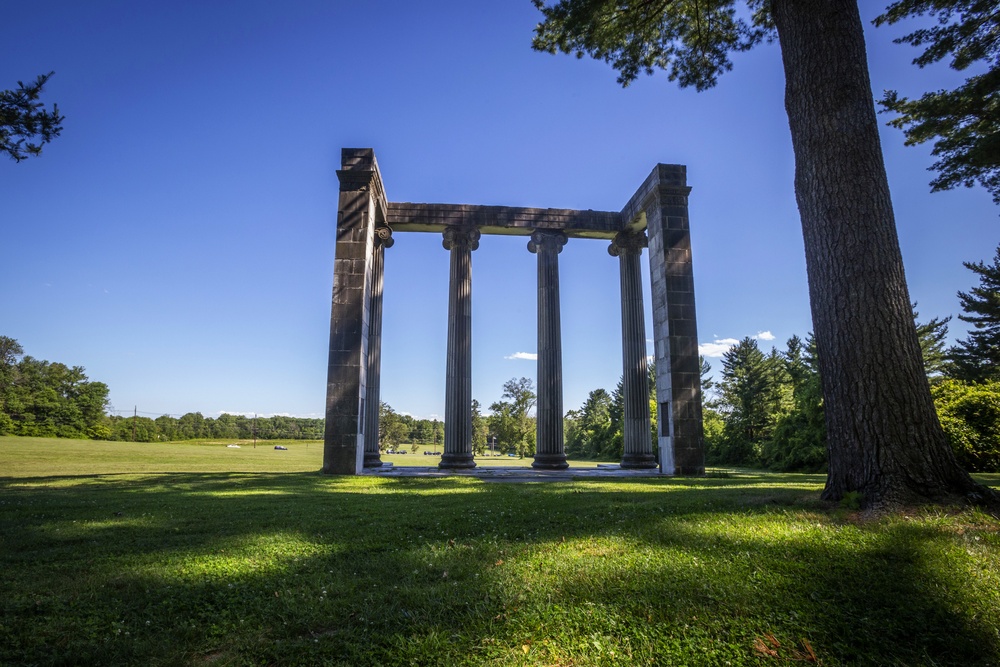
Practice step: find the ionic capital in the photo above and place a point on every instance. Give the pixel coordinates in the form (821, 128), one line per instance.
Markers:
(546, 240)
(461, 237)
(383, 236)
(628, 243)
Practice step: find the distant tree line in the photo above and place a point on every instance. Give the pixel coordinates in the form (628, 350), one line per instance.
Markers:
(397, 429)
(509, 428)
(194, 425)
(50, 399)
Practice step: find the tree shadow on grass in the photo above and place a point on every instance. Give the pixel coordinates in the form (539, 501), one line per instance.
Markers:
(306, 569)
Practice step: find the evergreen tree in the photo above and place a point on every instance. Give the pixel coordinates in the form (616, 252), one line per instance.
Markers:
(592, 428)
(965, 122)
(798, 442)
(614, 442)
(707, 383)
(750, 401)
(977, 357)
(932, 337)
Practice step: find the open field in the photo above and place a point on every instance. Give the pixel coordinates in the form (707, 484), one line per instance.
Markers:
(86, 457)
(167, 557)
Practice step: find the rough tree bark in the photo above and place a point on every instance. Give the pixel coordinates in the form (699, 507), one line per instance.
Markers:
(884, 438)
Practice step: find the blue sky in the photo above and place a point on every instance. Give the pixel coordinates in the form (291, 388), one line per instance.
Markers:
(177, 239)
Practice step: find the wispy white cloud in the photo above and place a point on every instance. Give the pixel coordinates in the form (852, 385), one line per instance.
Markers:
(720, 346)
(531, 356)
(249, 414)
(432, 416)
(716, 348)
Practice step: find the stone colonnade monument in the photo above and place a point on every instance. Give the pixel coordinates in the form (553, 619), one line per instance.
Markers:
(655, 217)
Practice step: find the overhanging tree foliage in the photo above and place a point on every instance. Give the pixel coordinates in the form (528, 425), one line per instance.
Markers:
(965, 122)
(884, 439)
(25, 124)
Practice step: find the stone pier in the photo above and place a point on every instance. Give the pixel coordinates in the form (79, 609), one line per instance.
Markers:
(361, 207)
(458, 380)
(549, 452)
(638, 444)
(661, 205)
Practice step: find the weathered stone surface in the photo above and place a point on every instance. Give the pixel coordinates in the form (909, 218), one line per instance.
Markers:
(410, 217)
(361, 202)
(662, 199)
(458, 381)
(382, 240)
(549, 445)
(638, 448)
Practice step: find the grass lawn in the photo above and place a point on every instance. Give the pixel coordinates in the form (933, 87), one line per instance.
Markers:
(25, 457)
(162, 554)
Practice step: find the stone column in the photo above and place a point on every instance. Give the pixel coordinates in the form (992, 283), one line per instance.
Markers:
(627, 246)
(458, 382)
(549, 452)
(383, 240)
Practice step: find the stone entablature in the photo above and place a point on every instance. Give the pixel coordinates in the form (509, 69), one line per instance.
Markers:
(407, 217)
(656, 216)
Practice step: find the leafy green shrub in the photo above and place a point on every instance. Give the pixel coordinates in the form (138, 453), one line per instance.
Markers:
(970, 416)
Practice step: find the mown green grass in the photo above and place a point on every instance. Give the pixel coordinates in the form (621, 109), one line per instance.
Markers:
(21, 457)
(159, 565)
(32, 456)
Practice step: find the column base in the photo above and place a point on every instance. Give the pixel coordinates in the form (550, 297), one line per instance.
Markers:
(638, 461)
(550, 462)
(372, 461)
(456, 461)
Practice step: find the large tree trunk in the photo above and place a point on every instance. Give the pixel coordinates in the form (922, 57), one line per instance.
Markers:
(883, 435)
